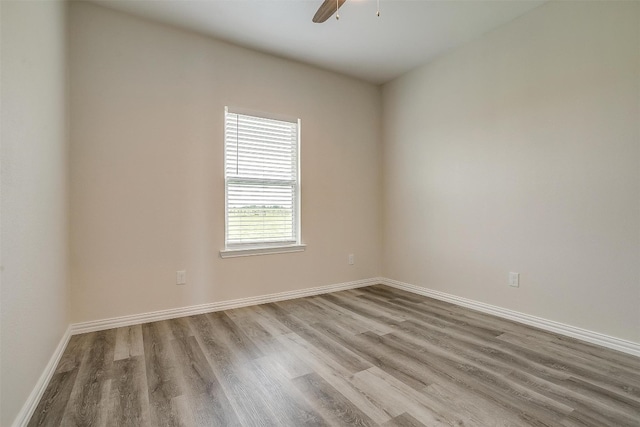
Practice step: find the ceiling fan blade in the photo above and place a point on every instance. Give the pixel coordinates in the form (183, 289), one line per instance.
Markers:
(327, 9)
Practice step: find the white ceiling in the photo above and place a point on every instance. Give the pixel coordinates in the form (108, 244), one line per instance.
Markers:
(408, 33)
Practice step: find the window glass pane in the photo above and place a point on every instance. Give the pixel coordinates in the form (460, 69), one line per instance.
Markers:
(261, 174)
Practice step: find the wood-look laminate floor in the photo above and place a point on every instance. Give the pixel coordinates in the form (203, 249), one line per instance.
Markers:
(365, 357)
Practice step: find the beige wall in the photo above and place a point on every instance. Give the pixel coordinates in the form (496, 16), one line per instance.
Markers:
(521, 152)
(34, 232)
(147, 189)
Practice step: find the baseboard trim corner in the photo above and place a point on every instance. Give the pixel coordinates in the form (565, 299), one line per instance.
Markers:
(135, 319)
(592, 337)
(29, 407)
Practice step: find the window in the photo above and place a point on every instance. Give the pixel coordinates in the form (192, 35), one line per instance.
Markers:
(262, 186)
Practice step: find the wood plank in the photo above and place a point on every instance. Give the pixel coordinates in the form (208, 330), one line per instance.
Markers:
(324, 312)
(333, 406)
(75, 351)
(364, 313)
(396, 363)
(581, 365)
(53, 403)
(335, 375)
(162, 374)
(233, 336)
(284, 399)
(338, 352)
(404, 420)
(128, 342)
(270, 346)
(396, 400)
(594, 407)
(531, 406)
(394, 293)
(204, 393)
(363, 317)
(179, 328)
(129, 398)
(89, 400)
(249, 404)
(433, 318)
(475, 407)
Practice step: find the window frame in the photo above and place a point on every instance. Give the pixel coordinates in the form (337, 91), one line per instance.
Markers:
(256, 247)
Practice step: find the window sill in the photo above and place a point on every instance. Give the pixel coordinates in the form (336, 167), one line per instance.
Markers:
(232, 253)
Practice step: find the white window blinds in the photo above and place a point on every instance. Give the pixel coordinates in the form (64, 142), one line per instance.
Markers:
(261, 181)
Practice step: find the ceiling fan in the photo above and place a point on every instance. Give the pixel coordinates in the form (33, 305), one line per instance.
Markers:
(329, 7)
(326, 9)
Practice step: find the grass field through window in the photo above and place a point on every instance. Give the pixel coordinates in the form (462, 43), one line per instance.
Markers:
(260, 224)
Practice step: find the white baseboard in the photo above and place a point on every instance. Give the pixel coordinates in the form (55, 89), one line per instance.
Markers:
(538, 322)
(527, 319)
(23, 417)
(134, 319)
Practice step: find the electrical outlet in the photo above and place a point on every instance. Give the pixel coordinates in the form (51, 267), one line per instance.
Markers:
(514, 279)
(181, 277)
(352, 259)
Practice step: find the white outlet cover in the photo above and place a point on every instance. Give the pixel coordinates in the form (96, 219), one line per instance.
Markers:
(181, 277)
(514, 279)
